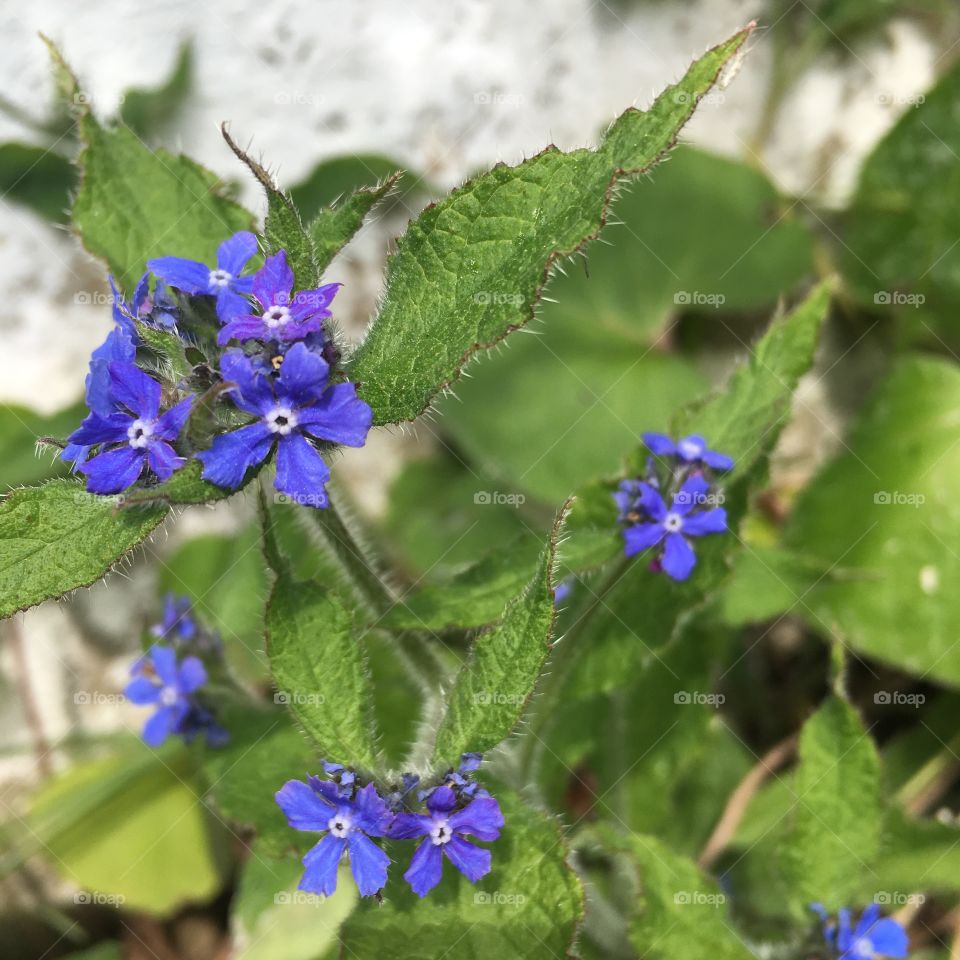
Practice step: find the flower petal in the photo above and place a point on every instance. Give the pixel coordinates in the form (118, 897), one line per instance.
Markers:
(191, 675)
(190, 276)
(305, 810)
(678, 557)
(651, 501)
(640, 537)
(441, 800)
(142, 691)
(481, 818)
(710, 521)
(340, 416)
(406, 826)
(164, 722)
(368, 864)
(301, 472)
(233, 454)
(472, 861)
(308, 303)
(114, 470)
(172, 422)
(374, 814)
(230, 305)
(163, 459)
(273, 282)
(136, 390)
(889, 939)
(255, 391)
(659, 443)
(718, 461)
(320, 863)
(97, 429)
(691, 448)
(300, 329)
(426, 868)
(242, 327)
(303, 375)
(233, 254)
(164, 660)
(693, 493)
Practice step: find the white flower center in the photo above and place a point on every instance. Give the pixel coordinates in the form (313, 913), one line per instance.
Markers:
(139, 433)
(219, 279)
(673, 523)
(863, 948)
(280, 420)
(169, 696)
(440, 832)
(690, 449)
(339, 825)
(276, 316)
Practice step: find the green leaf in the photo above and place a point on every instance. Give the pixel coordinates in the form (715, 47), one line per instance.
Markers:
(135, 204)
(470, 269)
(38, 178)
(905, 216)
(681, 912)
(477, 595)
(835, 832)
(273, 920)
(494, 685)
(915, 855)
(332, 180)
(225, 578)
(264, 752)
(147, 111)
(887, 507)
(186, 486)
(529, 905)
(321, 671)
(114, 849)
(57, 537)
(336, 224)
(20, 429)
(745, 418)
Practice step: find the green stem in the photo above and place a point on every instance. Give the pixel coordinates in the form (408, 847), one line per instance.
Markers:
(932, 780)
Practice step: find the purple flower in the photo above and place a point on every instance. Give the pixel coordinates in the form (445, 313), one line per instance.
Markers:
(159, 680)
(282, 317)
(132, 431)
(444, 829)
(670, 527)
(223, 281)
(692, 449)
(873, 937)
(327, 807)
(297, 404)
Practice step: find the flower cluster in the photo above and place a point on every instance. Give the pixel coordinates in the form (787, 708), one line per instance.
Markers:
(679, 473)
(171, 674)
(263, 365)
(348, 815)
(872, 937)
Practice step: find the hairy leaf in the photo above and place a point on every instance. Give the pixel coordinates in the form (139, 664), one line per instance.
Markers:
(494, 685)
(57, 537)
(321, 672)
(470, 269)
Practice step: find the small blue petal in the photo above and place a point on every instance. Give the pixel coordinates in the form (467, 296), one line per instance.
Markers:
(678, 557)
(368, 864)
(320, 863)
(426, 868)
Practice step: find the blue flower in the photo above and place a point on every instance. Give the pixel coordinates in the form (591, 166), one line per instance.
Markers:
(348, 818)
(692, 449)
(120, 345)
(873, 937)
(282, 317)
(178, 623)
(159, 680)
(563, 590)
(443, 830)
(200, 719)
(223, 281)
(132, 431)
(297, 404)
(158, 310)
(668, 527)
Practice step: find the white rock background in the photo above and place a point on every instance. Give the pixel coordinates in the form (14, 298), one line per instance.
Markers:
(446, 88)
